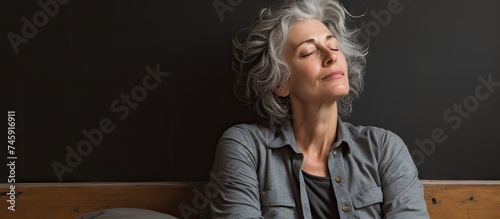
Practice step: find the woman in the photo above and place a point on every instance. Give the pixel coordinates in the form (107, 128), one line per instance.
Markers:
(300, 68)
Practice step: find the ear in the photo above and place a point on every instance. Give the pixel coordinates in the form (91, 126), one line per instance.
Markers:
(282, 91)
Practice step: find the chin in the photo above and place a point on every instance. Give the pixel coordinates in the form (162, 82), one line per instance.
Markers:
(341, 91)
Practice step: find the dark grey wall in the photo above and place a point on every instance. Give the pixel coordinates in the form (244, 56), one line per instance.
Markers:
(150, 83)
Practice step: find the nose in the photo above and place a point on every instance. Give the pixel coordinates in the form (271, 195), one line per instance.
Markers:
(330, 57)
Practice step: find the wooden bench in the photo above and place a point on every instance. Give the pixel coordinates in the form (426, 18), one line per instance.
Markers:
(445, 199)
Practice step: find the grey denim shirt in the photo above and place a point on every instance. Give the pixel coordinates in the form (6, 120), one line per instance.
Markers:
(257, 173)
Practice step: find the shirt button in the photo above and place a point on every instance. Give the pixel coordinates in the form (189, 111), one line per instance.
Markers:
(334, 153)
(345, 208)
(338, 180)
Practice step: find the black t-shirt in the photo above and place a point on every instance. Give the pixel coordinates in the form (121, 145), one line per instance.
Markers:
(321, 197)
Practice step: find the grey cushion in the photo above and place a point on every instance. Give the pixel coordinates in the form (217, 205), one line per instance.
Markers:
(126, 213)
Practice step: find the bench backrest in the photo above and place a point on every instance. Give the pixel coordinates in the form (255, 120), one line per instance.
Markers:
(445, 199)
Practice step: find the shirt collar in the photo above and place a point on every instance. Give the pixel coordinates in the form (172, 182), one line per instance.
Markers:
(285, 136)
(344, 136)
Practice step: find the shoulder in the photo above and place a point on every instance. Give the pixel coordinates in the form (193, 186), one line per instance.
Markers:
(251, 136)
(246, 132)
(375, 136)
(246, 142)
(368, 131)
(382, 145)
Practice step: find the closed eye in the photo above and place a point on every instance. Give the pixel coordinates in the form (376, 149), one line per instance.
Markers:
(308, 54)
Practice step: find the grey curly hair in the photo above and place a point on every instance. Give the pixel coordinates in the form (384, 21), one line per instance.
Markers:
(261, 68)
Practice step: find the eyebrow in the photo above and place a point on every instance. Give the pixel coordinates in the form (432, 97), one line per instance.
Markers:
(312, 40)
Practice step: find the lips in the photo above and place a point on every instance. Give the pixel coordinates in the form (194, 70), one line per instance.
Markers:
(333, 75)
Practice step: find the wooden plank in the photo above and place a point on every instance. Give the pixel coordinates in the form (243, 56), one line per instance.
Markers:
(445, 199)
(462, 199)
(69, 200)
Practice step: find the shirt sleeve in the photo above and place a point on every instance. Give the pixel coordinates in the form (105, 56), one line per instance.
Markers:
(235, 176)
(403, 191)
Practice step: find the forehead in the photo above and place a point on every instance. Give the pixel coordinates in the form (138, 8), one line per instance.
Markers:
(306, 29)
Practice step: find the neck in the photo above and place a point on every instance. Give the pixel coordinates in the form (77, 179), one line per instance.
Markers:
(315, 127)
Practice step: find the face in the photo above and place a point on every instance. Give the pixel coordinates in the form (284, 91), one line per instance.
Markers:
(318, 67)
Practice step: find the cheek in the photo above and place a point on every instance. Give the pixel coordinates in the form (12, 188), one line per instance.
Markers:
(343, 61)
(305, 71)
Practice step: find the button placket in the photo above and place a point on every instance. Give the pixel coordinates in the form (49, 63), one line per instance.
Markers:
(337, 171)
